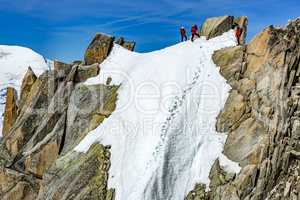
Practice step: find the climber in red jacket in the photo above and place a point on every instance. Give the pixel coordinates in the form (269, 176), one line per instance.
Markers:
(194, 31)
(238, 33)
(183, 34)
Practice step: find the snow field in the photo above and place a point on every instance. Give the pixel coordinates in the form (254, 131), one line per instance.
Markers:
(162, 133)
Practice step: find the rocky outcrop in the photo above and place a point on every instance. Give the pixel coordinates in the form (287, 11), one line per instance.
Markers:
(120, 41)
(32, 115)
(62, 69)
(78, 176)
(57, 111)
(98, 49)
(219, 178)
(17, 186)
(261, 116)
(216, 26)
(27, 83)
(101, 46)
(230, 60)
(11, 110)
(127, 45)
(235, 107)
(85, 72)
(88, 107)
(40, 132)
(288, 186)
(198, 193)
(39, 153)
(250, 139)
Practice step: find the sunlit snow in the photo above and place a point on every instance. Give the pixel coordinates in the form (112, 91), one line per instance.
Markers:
(162, 134)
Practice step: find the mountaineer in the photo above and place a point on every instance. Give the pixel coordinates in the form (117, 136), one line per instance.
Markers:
(194, 31)
(183, 34)
(238, 33)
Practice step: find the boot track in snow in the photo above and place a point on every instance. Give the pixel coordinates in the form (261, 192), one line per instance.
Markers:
(161, 155)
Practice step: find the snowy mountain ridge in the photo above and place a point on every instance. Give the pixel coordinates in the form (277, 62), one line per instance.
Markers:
(174, 128)
(200, 120)
(181, 144)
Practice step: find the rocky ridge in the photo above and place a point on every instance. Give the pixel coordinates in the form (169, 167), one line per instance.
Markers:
(54, 113)
(216, 26)
(261, 116)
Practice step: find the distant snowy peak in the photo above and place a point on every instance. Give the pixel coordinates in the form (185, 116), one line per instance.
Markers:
(14, 62)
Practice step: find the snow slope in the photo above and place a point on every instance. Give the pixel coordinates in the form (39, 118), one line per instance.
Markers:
(14, 61)
(162, 134)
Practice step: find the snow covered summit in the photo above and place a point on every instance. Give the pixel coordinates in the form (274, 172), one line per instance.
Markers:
(14, 62)
(162, 133)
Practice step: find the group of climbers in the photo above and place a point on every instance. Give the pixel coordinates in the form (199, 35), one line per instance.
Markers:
(194, 32)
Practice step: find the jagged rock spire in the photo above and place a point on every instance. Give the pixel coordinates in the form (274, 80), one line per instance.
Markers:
(101, 46)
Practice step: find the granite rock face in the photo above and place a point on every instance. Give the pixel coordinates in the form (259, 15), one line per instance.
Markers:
(56, 115)
(78, 176)
(27, 83)
(230, 60)
(98, 49)
(101, 46)
(261, 117)
(129, 45)
(85, 72)
(11, 110)
(235, 107)
(126, 44)
(17, 186)
(55, 112)
(62, 69)
(88, 107)
(216, 26)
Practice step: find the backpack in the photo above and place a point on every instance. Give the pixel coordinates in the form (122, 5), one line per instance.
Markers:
(238, 31)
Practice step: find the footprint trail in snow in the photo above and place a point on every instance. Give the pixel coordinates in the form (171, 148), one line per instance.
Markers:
(164, 161)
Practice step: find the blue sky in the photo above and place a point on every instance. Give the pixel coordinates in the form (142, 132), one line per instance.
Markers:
(62, 29)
